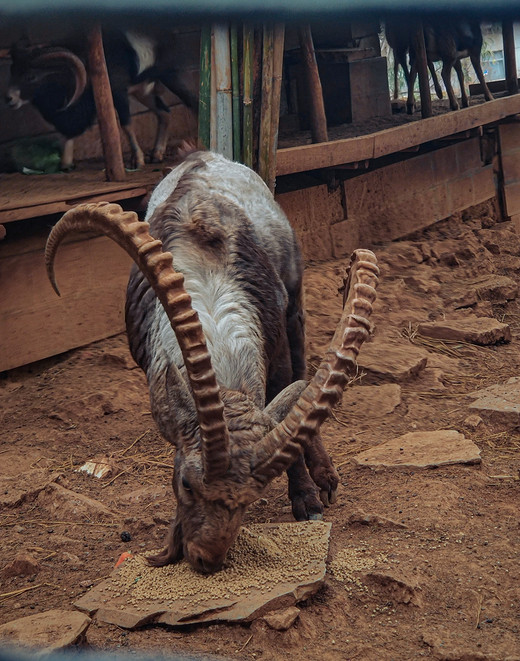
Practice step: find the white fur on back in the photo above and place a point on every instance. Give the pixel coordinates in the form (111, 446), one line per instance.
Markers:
(144, 48)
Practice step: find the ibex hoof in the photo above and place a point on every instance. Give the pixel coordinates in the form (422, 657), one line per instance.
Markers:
(316, 517)
(328, 497)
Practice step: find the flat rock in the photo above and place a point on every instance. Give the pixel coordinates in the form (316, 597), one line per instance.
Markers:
(51, 630)
(496, 288)
(384, 361)
(61, 502)
(371, 400)
(500, 403)
(398, 588)
(422, 449)
(271, 566)
(281, 620)
(477, 330)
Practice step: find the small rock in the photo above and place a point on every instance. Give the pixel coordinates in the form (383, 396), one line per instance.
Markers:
(473, 421)
(24, 564)
(283, 619)
(500, 403)
(477, 330)
(52, 630)
(426, 449)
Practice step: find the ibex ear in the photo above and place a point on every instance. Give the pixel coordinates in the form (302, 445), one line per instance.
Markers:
(280, 406)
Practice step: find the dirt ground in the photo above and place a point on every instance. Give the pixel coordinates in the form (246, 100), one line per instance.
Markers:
(430, 556)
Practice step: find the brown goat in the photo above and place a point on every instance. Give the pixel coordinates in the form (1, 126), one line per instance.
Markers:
(225, 362)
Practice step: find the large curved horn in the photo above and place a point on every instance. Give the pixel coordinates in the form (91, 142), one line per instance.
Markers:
(275, 452)
(74, 62)
(132, 235)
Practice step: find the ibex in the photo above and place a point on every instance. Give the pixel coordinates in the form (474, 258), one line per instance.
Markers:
(219, 331)
(55, 80)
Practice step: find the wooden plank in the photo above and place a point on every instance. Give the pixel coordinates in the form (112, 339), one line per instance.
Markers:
(36, 323)
(394, 140)
(22, 213)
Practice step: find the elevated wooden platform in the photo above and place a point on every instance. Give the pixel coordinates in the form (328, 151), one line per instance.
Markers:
(29, 196)
(390, 141)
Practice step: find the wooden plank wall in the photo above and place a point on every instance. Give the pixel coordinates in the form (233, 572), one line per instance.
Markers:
(35, 323)
(509, 137)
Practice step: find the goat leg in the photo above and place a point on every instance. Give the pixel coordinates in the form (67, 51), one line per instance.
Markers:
(475, 61)
(460, 75)
(303, 493)
(322, 471)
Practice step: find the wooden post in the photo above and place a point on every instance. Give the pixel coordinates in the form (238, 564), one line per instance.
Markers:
(106, 114)
(317, 106)
(422, 70)
(279, 38)
(235, 84)
(266, 102)
(508, 36)
(247, 100)
(205, 87)
(224, 101)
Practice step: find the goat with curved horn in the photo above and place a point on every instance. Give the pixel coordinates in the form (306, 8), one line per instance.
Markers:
(225, 362)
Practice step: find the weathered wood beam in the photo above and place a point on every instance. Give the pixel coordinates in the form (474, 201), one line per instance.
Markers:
(508, 36)
(422, 70)
(316, 104)
(106, 114)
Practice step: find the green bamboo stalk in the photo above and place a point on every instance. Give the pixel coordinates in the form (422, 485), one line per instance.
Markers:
(235, 85)
(247, 101)
(205, 87)
(266, 102)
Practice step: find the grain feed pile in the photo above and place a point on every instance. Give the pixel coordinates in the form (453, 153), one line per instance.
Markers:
(269, 566)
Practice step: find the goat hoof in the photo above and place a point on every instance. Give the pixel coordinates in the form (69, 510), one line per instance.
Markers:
(306, 506)
(316, 517)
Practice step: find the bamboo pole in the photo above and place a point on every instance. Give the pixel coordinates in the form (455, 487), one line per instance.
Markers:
(508, 36)
(279, 37)
(317, 106)
(266, 102)
(247, 100)
(422, 70)
(235, 84)
(205, 87)
(224, 101)
(106, 114)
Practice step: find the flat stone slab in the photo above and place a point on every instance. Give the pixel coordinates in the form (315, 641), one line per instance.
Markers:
(477, 330)
(499, 403)
(421, 449)
(371, 400)
(51, 630)
(383, 361)
(496, 288)
(271, 566)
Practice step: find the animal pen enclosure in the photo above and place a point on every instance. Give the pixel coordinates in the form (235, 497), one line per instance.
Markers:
(422, 557)
(333, 86)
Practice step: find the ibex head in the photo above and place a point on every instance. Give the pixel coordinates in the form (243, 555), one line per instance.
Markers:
(227, 449)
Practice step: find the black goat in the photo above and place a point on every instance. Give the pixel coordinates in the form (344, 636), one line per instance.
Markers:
(54, 79)
(447, 41)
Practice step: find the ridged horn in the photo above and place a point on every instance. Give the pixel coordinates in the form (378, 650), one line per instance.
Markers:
(132, 235)
(275, 452)
(75, 63)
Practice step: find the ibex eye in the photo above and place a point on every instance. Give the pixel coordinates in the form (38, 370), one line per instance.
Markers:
(186, 484)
